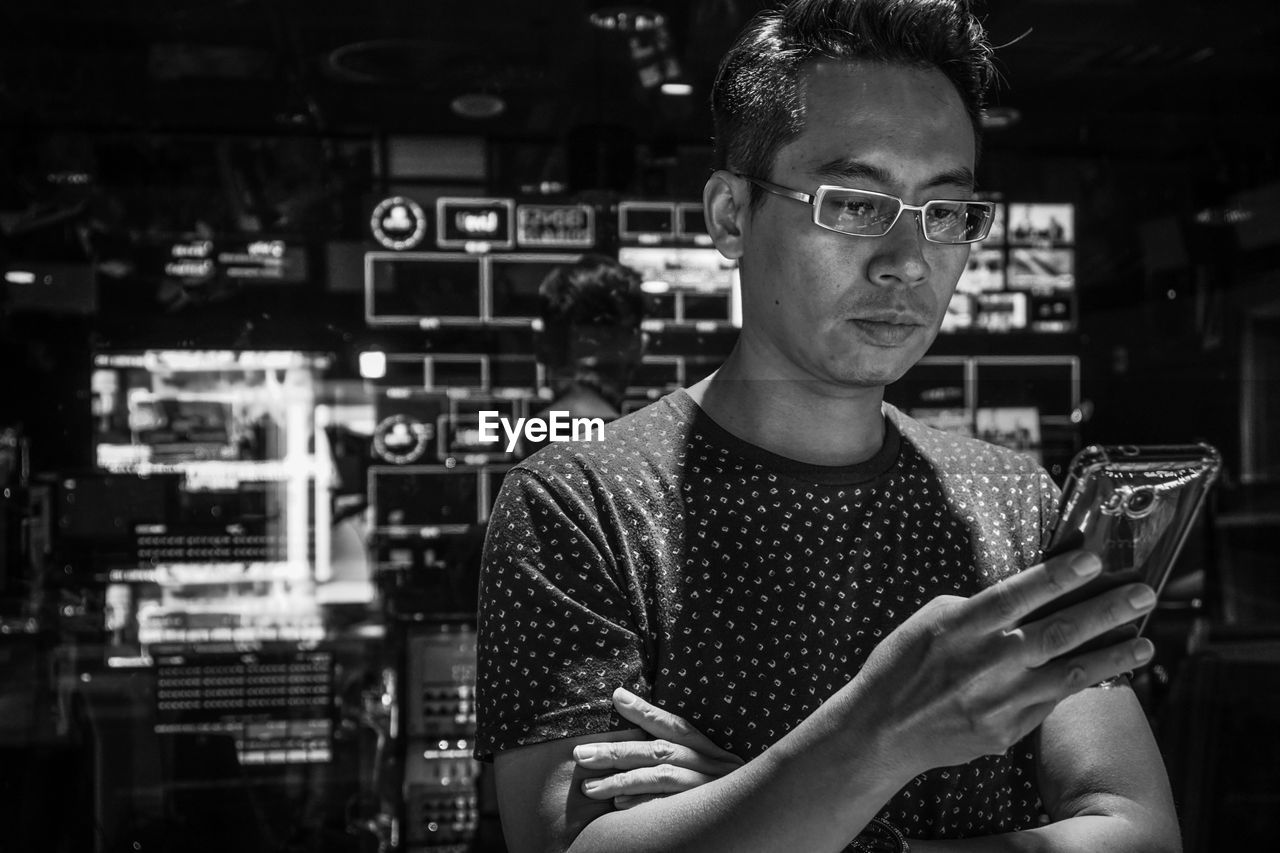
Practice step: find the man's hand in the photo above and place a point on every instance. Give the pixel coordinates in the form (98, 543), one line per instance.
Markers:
(679, 759)
(961, 678)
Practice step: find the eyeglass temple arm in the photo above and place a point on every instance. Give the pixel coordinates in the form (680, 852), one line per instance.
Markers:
(769, 186)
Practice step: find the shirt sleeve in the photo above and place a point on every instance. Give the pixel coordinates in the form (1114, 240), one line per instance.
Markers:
(557, 631)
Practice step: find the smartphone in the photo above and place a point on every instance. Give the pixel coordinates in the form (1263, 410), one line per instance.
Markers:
(1133, 506)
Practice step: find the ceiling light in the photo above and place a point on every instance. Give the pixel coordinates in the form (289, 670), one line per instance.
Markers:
(679, 89)
(627, 19)
(478, 105)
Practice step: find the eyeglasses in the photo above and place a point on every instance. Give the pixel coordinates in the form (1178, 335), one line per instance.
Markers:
(863, 213)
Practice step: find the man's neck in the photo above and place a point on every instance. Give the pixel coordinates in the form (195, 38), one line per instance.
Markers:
(801, 420)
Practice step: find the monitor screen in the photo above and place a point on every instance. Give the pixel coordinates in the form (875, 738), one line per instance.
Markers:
(983, 272)
(688, 268)
(1041, 225)
(213, 411)
(514, 282)
(410, 288)
(426, 496)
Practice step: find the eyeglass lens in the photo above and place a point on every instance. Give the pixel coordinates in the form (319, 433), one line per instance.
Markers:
(871, 215)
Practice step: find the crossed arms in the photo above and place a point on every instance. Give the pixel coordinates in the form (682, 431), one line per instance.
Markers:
(958, 680)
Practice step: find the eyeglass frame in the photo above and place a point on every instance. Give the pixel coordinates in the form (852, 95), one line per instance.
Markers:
(814, 200)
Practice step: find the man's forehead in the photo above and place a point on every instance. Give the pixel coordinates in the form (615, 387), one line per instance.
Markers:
(888, 124)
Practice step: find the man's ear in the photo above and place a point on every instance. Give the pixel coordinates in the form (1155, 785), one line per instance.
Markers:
(726, 202)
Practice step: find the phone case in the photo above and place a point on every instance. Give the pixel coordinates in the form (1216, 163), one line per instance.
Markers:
(1133, 506)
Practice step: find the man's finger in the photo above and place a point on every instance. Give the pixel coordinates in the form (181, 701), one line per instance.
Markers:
(663, 779)
(1010, 601)
(1062, 631)
(630, 754)
(1060, 678)
(668, 726)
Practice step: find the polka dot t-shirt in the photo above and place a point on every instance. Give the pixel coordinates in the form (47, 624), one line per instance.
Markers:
(741, 589)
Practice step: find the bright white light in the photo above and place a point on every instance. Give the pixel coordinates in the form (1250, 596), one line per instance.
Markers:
(20, 277)
(373, 365)
(678, 89)
(655, 286)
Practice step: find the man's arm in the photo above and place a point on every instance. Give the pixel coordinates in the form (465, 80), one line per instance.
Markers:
(955, 681)
(782, 800)
(1102, 780)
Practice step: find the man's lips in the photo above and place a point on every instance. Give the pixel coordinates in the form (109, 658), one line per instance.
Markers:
(889, 319)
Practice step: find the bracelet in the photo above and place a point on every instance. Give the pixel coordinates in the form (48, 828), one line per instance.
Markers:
(880, 836)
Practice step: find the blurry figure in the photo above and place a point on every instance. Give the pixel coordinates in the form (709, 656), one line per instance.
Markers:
(591, 341)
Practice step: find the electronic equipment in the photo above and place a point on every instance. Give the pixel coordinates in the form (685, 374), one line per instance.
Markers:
(408, 288)
(1133, 507)
(441, 800)
(425, 500)
(514, 281)
(276, 705)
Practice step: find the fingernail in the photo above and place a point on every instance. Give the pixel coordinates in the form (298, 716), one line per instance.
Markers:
(1144, 651)
(584, 753)
(623, 696)
(1086, 564)
(1142, 598)
(590, 785)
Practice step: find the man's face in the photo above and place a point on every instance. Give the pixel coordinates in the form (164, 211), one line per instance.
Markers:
(856, 311)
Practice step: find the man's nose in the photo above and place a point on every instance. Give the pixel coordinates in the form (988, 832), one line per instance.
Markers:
(899, 257)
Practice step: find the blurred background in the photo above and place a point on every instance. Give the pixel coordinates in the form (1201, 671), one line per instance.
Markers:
(265, 261)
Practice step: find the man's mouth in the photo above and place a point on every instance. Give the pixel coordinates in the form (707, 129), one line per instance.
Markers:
(885, 331)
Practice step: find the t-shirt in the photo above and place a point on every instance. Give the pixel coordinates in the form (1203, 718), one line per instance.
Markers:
(741, 589)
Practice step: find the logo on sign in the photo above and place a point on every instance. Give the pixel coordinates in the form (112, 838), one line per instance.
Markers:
(398, 223)
(477, 224)
(555, 225)
(474, 224)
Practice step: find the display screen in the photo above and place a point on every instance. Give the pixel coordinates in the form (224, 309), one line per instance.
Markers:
(276, 707)
(689, 268)
(1001, 312)
(1041, 269)
(203, 411)
(245, 545)
(984, 271)
(1017, 428)
(641, 218)
(514, 284)
(425, 497)
(1041, 225)
(410, 288)
(460, 436)
(1022, 278)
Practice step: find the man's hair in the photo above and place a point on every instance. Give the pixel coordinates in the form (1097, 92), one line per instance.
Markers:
(591, 313)
(757, 103)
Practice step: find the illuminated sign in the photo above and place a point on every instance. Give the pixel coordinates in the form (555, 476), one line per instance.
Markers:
(398, 223)
(557, 226)
(475, 223)
(191, 260)
(262, 260)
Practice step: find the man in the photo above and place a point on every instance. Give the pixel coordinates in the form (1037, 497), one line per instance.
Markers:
(821, 604)
(591, 341)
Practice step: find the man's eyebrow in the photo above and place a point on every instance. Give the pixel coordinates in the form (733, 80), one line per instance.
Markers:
(852, 171)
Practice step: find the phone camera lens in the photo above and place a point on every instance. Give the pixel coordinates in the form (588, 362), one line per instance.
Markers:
(1140, 503)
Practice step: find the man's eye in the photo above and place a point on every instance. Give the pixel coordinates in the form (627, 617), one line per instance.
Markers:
(857, 209)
